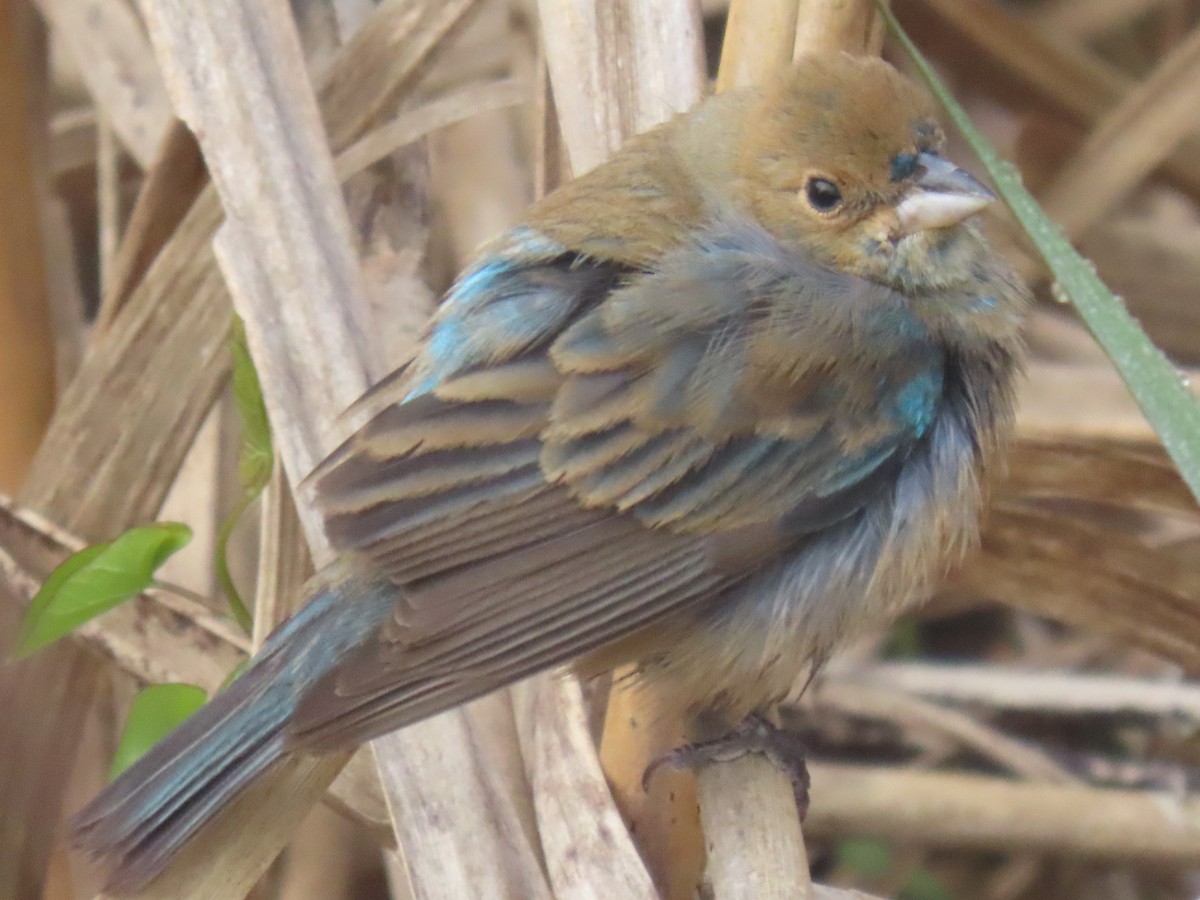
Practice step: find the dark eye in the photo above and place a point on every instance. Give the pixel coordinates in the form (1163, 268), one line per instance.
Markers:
(822, 194)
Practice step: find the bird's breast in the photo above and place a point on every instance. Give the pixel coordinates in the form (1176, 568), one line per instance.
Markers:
(760, 640)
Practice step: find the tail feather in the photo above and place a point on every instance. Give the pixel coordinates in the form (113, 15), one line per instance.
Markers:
(140, 820)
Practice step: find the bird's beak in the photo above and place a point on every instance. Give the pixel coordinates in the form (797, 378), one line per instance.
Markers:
(942, 195)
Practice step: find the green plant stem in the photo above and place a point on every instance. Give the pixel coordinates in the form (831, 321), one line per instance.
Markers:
(237, 608)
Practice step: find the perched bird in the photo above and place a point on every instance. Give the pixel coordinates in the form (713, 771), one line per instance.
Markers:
(711, 409)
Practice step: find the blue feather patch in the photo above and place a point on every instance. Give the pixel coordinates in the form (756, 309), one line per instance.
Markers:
(488, 309)
(915, 404)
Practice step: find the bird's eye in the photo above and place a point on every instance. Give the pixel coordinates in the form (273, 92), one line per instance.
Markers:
(823, 195)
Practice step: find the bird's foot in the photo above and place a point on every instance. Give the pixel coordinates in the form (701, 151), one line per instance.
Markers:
(756, 734)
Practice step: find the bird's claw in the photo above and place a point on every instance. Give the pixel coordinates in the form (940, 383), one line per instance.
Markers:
(755, 734)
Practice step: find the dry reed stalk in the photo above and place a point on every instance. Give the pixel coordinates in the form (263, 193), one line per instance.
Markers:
(26, 334)
(42, 697)
(174, 178)
(1135, 475)
(1075, 569)
(72, 140)
(107, 42)
(65, 296)
(824, 892)
(283, 559)
(1148, 256)
(759, 36)
(942, 809)
(411, 125)
(755, 850)
(351, 15)
(261, 152)
(108, 199)
(1088, 19)
(884, 703)
(607, 92)
(326, 860)
(1000, 688)
(589, 853)
(1070, 78)
(665, 816)
(1073, 400)
(1072, 564)
(838, 25)
(1130, 141)
(195, 498)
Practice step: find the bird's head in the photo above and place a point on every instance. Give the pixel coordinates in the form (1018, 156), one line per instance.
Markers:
(841, 155)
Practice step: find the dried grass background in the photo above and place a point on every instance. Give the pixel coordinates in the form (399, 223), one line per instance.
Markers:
(1031, 733)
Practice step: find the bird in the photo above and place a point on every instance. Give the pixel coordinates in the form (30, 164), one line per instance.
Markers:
(709, 410)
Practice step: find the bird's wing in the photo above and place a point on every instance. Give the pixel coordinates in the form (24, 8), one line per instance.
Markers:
(581, 450)
(738, 386)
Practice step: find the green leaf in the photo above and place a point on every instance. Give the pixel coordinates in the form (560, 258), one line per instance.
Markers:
(923, 885)
(867, 857)
(1160, 392)
(156, 712)
(903, 641)
(96, 579)
(257, 457)
(237, 606)
(255, 463)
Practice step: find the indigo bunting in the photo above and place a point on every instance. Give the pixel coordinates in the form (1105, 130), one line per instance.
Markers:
(711, 409)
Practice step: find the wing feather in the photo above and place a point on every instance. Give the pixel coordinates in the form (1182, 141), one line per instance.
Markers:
(582, 450)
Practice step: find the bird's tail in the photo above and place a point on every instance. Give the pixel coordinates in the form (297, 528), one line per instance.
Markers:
(140, 820)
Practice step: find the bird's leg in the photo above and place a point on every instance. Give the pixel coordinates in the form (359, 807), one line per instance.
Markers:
(756, 734)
